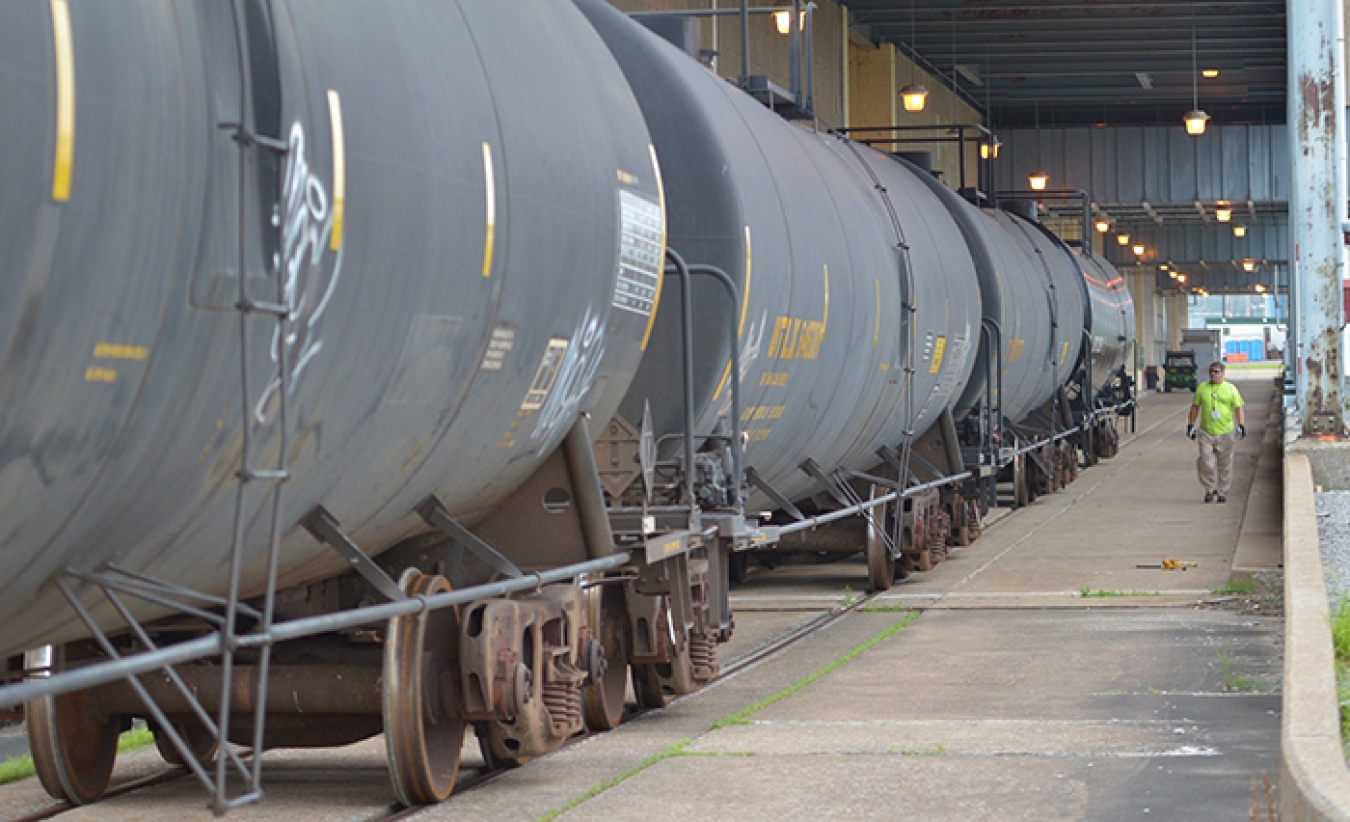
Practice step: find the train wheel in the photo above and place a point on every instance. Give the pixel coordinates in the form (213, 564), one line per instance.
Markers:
(1021, 484)
(493, 762)
(1090, 446)
(202, 744)
(602, 702)
(647, 687)
(423, 736)
(74, 746)
(880, 563)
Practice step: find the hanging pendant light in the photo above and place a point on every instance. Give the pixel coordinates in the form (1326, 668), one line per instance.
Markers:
(1239, 231)
(1102, 226)
(1195, 119)
(913, 94)
(1123, 239)
(1038, 180)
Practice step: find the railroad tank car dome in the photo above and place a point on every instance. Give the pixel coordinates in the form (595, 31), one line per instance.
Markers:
(801, 222)
(465, 275)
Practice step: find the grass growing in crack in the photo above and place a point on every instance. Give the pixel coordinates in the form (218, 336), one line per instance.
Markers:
(676, 749)
(1231, 681)
(21, 767)
(887, 609)
(1235, 588)
(851, 598)
(741, 717)
(1089, 593)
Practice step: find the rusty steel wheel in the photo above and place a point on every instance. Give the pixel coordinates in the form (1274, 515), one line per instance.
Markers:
(73, 745)
(880, 562)
(602, 702)
(202, 744)
(423, 733)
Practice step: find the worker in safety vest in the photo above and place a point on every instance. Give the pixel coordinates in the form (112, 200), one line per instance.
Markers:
(1219, 408)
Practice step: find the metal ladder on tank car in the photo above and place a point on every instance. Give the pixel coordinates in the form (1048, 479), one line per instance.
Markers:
(223, 613)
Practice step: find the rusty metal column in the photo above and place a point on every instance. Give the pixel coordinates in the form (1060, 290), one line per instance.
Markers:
(1317, 209)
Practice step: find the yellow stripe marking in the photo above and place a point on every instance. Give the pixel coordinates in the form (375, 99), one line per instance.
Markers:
(745, 307)
(65, 100)
(939, 346)
(661, 261)
(876, 329)
(339, 168)
(489, 180)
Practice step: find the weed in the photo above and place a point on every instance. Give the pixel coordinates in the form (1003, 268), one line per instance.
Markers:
(886, 609)
(850, 597)
(135, 738)
(1088, 592)
(1262, 808)
(12, 770)
(1340, 640)
(1245, 587)
(936, 750)
(1231, 681)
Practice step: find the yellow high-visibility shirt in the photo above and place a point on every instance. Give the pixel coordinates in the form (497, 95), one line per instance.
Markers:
(1218, 407)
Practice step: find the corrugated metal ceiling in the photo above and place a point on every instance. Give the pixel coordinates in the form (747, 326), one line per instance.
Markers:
(1081, 62)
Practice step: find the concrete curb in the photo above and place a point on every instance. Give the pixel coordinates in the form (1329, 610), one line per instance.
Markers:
(1314, 779)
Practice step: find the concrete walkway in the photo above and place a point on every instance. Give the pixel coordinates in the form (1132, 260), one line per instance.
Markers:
(1012, 695)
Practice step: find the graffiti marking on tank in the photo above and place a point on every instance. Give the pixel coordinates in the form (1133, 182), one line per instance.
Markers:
(577, 366)
(503, 339)
(1015, 349)
(306, 224)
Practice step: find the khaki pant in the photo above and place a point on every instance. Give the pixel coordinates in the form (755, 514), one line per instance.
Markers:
(1215, 464)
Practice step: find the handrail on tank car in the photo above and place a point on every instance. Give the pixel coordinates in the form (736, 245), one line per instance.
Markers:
(798, 30)
(737, 444)
(101, 673)
(984, 164)
(1085, 243)
(684, 271)
(687, 366)
(812, 522)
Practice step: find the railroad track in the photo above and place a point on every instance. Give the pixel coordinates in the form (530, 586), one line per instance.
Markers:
(481, 776)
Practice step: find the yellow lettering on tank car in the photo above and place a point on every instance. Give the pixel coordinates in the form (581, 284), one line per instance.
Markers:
(114, 351)
(95, 374)
(1064, 353)
(773, 379)
(939, 346)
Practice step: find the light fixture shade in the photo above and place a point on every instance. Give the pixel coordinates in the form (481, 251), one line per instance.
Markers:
(1210, 73)
(1123, 239)
(1239, 231)
(1164, 266)
(1249, 265)
(1196, 120)
(1138, 249)
(1223, 215)
(1038, 180)
(1181, 278)
(988, 150)
(1260, 289)
(913, 96)
(782, 20)
(1102, 226)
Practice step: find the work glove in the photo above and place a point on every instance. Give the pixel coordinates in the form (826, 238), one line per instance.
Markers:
(1242, 432)
(1190, 431)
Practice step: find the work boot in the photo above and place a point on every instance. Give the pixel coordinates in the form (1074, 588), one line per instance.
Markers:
(1209, 496)
(1220, 498)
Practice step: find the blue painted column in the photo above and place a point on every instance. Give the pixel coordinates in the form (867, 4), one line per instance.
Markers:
(1317, 206)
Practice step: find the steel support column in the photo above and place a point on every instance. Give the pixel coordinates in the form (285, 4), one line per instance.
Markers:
(1317, 150)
